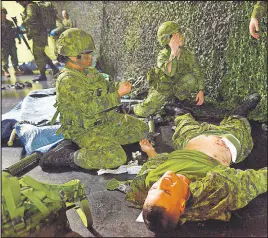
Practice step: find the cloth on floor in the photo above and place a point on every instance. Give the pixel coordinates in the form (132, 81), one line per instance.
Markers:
(38, 107)
(31, 118)
(38, 139)
(14, 113)
(130, 168)
(6, 128)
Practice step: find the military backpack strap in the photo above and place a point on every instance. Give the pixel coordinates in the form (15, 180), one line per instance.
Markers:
(63, 73)
(11, 194)
(55, 115)
(82, 209)
(84, 213)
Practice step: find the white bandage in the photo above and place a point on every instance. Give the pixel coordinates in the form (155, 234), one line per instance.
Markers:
(231, 147)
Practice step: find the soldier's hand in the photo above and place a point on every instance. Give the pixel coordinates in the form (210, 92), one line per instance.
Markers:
(200, 98)
(146, 146)
(175, 42)
(124, 88)
(253, 27)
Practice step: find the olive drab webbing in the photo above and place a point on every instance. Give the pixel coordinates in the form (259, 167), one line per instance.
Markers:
(28, 205)
(48, 15)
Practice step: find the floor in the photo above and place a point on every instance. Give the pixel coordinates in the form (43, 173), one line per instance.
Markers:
(114, 217)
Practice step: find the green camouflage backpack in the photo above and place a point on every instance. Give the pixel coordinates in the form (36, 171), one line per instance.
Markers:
(48, 15)
(29, 206)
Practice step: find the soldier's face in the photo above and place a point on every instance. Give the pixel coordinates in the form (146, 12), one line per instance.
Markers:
(86, 59)
(64, 14)
(170, 192)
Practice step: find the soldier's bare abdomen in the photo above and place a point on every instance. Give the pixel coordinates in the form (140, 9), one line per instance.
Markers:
(213, 146)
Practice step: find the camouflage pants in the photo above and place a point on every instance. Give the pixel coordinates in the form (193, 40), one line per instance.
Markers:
(187, 128)
(101, 146)
(40, 57)
(164, 90)
(11, 51)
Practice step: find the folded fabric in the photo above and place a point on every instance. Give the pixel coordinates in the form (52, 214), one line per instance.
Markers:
(7, 127)
(38, 139)
(131, 168)
(37, 106)
(14, 113)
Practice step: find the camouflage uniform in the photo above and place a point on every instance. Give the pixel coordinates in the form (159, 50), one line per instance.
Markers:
(216, 190)
(67, 23)
(8, 44)
(184, 78)
(32, 22)
(260, 8)
(82, 100)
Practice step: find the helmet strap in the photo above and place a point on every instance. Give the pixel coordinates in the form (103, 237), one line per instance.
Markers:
(77, 63)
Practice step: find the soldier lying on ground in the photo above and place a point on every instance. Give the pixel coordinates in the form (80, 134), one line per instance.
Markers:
(87, 105)
(195, 182)
(177, 73)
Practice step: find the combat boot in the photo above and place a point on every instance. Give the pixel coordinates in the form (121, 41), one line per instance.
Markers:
(18, 72)
(6, 73)
(55, 70)
(61, 156)
(250, 103)
(41, 77)
(175, 110)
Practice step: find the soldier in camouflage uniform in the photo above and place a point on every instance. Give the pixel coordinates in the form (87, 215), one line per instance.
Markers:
(195, 182)
(66, 21)
(260, 9)
(62, 25)
(32, 22)
(177, 73)
(87, 106)
(8, 46)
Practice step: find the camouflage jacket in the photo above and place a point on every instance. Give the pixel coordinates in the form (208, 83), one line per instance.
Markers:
(260, 8)
(214, 194)
(83, 99)
(8, 33)
(33, 23)
(186, 64)
(67, 23)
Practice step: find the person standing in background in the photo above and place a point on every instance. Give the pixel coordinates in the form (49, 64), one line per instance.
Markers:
(8, 46)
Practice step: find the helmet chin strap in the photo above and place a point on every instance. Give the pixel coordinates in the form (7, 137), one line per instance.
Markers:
(76, 63)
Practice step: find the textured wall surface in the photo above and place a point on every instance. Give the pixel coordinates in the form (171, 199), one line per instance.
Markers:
(235, 65)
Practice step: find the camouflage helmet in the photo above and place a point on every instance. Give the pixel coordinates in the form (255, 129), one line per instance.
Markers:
(166, 30)
(74, 42)
(4, 10)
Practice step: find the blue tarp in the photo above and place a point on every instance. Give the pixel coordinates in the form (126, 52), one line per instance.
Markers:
(37, 107)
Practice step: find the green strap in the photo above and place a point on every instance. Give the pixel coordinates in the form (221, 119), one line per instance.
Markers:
(84, 213)
(54, 118)
(38, 186)
(9, 197)
(32, 197)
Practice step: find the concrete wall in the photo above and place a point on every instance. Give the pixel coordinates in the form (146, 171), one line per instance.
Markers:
(235, 65)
